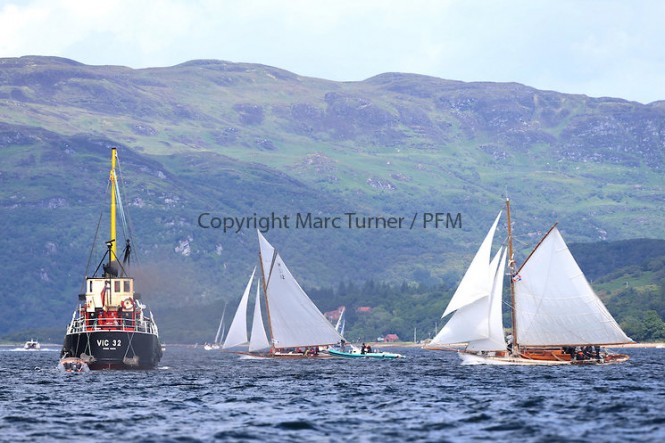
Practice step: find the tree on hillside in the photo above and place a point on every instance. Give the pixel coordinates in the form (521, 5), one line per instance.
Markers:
(647, 326)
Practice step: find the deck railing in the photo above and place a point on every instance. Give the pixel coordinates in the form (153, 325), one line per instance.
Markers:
(81, 324)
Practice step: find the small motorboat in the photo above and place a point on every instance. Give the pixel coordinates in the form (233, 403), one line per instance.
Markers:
(354, 352)
(32, 345)
(73, 364)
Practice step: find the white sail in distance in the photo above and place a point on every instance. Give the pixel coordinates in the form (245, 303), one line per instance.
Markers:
(237, 335)
(258, 340)
(219, 334)
(294, 319)
(555, 304)
(339, 326)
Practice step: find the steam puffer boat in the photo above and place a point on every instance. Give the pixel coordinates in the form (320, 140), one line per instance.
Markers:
(111, 328)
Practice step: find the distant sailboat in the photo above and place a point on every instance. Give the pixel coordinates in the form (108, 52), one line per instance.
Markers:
(218, 336)
(296, 327)
(557, 318)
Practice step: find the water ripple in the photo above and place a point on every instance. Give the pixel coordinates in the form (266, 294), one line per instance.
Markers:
(210, 396)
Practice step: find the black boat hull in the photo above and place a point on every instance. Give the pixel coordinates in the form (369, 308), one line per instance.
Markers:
(115, 349)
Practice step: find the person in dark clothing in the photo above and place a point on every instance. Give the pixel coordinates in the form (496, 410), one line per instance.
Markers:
(588, 352)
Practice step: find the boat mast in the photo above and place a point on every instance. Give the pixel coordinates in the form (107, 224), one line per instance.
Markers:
(112, 179)
(511, 266)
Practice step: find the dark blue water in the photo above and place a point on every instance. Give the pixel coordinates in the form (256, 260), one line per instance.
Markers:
(209, 396)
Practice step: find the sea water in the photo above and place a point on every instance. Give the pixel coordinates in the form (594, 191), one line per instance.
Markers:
(198, 395)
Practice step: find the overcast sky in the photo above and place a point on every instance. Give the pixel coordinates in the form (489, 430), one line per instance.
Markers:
(612, 48)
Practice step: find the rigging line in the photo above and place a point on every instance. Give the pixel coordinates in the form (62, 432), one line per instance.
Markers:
(131, 337)
(88, 348)
(94, 240)
(92, 248)
(128, 221)
(121, 207)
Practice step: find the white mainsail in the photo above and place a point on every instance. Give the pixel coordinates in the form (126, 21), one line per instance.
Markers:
(294, 319)
(258, 340)
(554, 303)
(237, 335)
(495, 340)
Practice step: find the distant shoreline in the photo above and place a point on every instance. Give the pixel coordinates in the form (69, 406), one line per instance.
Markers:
(405, 344)
(410, 344)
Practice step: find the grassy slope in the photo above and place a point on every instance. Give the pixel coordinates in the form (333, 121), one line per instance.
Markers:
(241, 139)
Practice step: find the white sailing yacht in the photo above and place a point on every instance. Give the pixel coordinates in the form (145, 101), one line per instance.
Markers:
(557, 317)
(296, 326)
(217, 344)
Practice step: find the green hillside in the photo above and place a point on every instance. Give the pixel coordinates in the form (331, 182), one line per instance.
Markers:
(243, 140)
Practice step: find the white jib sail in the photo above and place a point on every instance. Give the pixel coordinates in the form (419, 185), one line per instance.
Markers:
(259, 340)
(237, 335)
(475, 284)
(554, 303)
(495, 340)
(471, 322)
(294, 319)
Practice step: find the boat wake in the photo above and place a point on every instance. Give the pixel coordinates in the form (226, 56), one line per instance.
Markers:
(252, 357)
(31, 350)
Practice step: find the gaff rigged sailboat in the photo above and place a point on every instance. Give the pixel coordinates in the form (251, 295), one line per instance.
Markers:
(111, 328)
(557, 317)
(296, 326)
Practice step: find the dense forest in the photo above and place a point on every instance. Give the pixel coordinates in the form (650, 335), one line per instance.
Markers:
(629, 276)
